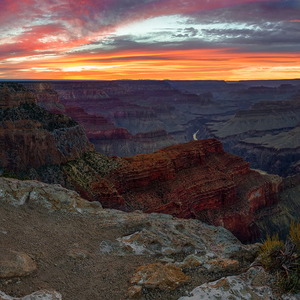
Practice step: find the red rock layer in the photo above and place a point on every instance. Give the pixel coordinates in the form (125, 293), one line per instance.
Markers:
(196, 180)
(23, 148)
(13, 94)
(91, 123)
(112, 140)
(31, 137)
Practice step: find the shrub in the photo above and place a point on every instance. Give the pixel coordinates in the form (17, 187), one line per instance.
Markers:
(270, 249)
(283, 259)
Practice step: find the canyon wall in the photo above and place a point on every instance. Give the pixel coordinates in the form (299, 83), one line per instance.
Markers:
(194, 180)
(13, 94)
(31, 137)
(267, 135)
(46, 96)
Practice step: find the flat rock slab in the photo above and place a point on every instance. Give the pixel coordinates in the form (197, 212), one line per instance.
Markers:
(246, 286)
(15, 264)
(40, 295)
(49, 196)
(159, 276)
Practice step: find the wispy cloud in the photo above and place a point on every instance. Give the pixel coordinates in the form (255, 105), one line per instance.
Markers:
(89, 37)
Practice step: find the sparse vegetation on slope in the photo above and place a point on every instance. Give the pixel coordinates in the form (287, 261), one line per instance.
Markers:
(32, 112)
(283, 259)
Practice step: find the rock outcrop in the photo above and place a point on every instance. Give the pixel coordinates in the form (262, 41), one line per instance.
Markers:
(94, 255)
(31, 137)
(251, 285)
(46, 96)
(38, 194)
(194, 180)
(143, 249)
(15, 264)
(13, 94)
(164, 277)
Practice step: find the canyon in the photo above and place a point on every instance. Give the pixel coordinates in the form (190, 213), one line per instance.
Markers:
(31, 137)
(266, 135)
(150, 219)
(193, 180)
(128, 117)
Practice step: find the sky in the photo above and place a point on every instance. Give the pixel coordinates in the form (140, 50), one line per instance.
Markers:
(150, 39)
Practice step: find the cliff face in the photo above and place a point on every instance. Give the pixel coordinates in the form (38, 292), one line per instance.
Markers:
(194, 180)
(46, 96)
(31, 137)
(114, 127)
(139, 107)
(13, 94)
(111, 140)
(267, 135)
(263, 117)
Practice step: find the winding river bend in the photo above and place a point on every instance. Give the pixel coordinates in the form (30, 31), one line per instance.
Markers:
(195, 135)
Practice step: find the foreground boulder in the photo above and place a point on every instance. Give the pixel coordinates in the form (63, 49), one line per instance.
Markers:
(15, 264)
(251, 285)
(159, 276)
(39, 194)
(160, 234)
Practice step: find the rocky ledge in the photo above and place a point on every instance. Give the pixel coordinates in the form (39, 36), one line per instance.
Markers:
(63, 252)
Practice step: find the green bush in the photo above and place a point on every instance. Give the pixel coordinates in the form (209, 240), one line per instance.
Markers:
(270, 248)
(283, 259)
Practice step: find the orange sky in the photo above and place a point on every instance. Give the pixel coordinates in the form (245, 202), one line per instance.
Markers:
(157, 39)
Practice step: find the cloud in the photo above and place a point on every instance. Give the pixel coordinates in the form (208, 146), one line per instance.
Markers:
(82, 30)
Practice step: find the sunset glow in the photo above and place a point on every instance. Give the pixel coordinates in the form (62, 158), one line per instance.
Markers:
(156, 39)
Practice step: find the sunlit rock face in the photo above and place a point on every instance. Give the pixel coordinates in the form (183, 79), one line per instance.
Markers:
(46, 96)
(194, 180)
(31, 137)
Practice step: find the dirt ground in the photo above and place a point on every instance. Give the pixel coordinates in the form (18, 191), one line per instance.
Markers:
(49, 237)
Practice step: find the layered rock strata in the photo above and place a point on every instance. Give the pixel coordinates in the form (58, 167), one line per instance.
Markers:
(194, 180)
(13, 94)
(266, 135)
(31, 137)
(111, 140)
(46, 96)
(108, 133)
